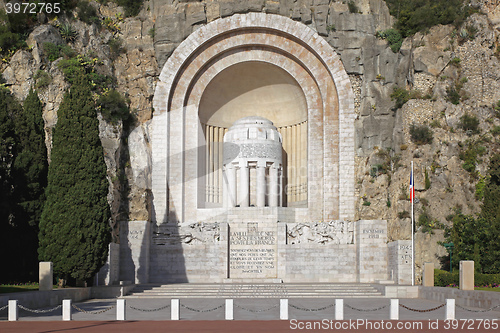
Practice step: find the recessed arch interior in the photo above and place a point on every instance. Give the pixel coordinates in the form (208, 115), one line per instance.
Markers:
(253, 89)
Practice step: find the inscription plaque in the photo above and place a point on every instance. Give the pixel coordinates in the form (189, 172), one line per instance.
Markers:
(252, 250)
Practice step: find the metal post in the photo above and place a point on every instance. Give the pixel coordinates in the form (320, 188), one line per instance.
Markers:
(13, 310)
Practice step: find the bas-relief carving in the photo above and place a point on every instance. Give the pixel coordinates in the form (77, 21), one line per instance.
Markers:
(192, 234)
(333, 232)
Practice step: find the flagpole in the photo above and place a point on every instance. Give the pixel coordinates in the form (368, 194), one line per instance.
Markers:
(412, 196)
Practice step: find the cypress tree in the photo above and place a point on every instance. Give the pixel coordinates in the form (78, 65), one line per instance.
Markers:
(9, 230)
(490, 213)
(30, 179)
(74, 227)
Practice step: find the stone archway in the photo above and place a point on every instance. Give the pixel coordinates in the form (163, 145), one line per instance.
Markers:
(207, 54)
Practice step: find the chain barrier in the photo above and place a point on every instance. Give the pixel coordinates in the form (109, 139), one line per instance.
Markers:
(39, 311)
(256, 311)
(200, 311)
(92, 312)
(4, 307)
(490, 309)
(418, 310)
(366, 310)
(312, 310)
(150, 310)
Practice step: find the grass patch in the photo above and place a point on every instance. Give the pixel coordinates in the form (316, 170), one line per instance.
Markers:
(16, 288)
(497, 289)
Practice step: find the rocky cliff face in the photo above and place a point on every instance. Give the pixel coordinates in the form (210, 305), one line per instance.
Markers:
(424, 63)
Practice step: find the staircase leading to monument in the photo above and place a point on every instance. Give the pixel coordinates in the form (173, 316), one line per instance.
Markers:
(272, 290)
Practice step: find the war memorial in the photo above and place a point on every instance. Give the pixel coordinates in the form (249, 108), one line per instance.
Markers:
(252, 175)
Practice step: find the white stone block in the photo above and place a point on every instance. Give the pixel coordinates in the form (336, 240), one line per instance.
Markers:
(66, 310)
(13, 310)
(394, 309)
(450, 309)
(283, 309)
(229, 309)
(339, 309)
(120, 309)
(175, 309)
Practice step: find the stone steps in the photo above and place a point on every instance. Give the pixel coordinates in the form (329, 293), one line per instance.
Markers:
(277, 290)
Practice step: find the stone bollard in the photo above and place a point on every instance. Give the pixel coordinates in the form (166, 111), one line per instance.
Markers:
(428, 275)
(45, 275)
(466, 275)
(339, 309)
(13, 310)
(394, 315)
(120, 309)
(283, 309)
(66, 310)
(174, 309)
(229, 309)
(450, 309)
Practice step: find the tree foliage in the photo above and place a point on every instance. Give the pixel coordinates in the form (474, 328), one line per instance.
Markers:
(477, 238)
(417, 15)
(74, 228)
(23, 175)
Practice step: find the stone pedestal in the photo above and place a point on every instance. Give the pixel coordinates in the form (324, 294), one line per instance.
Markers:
(253, 250)
(466, 275)
(372, 254)
(45, 275)
(428, 275)
(110, 273)
(400, 261)
(135, 244)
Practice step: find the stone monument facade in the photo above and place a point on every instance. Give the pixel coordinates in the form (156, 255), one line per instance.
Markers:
(253, 163)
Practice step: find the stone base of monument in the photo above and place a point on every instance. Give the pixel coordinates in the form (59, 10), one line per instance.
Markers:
(251, 250)
(252, 281)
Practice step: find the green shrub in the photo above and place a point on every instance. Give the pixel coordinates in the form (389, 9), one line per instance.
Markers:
(483, 280)
(71, 68)
(132, 7)
(113, 106)
(401, 96)
(471, 155)
(87, 13)
(42, 79)
(452, 95)
(68, 33)
(115, 48)
(427, 180)
(151, 32)
(393, 37)
(54, 51)
(444, 278)
(353, 8)
(495, 131)
(414, 16)
(421, 134)
(469, 123)
(455, 61)
(404, 215)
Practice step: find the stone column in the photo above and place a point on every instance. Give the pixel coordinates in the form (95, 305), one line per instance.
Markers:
(273, 186)
(428, 275)
(244, 184)
(466, 275)
(261, 185)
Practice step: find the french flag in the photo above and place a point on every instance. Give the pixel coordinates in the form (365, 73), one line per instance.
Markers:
(412, 189)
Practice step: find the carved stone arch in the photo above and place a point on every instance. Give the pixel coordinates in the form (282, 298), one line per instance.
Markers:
(212, 49)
